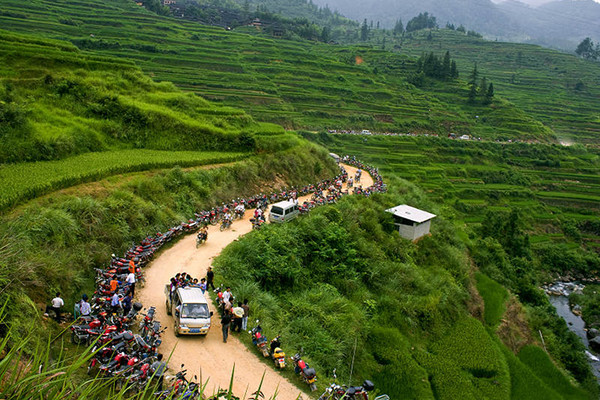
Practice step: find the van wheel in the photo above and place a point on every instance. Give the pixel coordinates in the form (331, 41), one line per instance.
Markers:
(168, 308)
(176, 330)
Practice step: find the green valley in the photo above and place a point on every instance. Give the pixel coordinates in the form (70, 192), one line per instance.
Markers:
(117, 124)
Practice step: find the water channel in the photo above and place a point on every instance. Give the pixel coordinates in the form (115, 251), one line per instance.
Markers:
(575, 323)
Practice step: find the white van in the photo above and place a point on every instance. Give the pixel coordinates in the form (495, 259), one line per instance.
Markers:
(283, 211)
(189, 309)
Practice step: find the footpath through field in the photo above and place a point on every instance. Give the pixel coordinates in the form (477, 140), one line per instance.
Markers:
(208, 357)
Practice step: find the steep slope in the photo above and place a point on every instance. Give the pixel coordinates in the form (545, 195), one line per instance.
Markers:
(558, 89)
(56, 102)
(298, 84)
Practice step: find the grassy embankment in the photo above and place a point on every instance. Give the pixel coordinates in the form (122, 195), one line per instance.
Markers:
(341, 279)
(529, 213)
(298, 84)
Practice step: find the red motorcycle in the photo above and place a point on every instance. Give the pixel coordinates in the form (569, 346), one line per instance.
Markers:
(259, 340)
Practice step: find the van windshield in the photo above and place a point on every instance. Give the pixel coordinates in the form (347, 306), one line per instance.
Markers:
(194, 311)
(277, 210)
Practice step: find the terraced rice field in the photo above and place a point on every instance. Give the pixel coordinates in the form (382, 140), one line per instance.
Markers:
(475, 177)
(296, 84)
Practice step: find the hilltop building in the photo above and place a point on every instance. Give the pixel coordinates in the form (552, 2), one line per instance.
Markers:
(412, 223)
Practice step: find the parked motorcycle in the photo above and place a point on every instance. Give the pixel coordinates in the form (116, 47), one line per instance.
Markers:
(308, 375)
(259, 340)
(277, 353)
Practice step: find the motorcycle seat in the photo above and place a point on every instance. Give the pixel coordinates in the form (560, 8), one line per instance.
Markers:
(309, 372)
(123, 335)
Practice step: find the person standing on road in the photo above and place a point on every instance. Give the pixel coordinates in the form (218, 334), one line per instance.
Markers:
(131, 282)
(126, 304)
(55, 306)
(210, 276)
(114, 302)
(246, 314)
(84, 307)
(238, 314)
(225, 322)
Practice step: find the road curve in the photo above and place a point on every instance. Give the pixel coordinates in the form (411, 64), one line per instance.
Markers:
(208, 357)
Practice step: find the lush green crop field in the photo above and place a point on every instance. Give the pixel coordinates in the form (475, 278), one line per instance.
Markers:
(558, 89)
(28, 180)
(295, 84)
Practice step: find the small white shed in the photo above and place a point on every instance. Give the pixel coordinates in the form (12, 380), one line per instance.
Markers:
(412, 223)
(335, 157)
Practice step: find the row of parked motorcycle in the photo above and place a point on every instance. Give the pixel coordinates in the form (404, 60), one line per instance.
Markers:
(308, 375)
(132, 357)
(273, 350)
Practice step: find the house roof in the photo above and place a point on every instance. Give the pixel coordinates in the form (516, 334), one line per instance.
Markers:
(411, 213)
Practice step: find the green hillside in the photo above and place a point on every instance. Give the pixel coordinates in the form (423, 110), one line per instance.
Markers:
(57, 102)
(341, 284)
(296, 84)
(558, 89)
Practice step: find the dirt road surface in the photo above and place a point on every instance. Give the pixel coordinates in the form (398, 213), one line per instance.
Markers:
(208, 357)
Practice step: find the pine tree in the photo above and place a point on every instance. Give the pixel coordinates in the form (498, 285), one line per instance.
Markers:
(446, 66)
(398, 28)
(483, 87)
(364, 31)
(453, 70)
(325, 34)
(473, 85)
(489, 94)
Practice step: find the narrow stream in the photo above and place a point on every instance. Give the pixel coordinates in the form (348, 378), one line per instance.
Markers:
(577, 325)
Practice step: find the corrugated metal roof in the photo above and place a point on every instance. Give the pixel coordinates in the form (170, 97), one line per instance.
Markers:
(411, 213)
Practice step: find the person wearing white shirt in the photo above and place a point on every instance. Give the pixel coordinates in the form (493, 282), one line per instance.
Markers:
(131, 281)
(227, 295)
(55, 305)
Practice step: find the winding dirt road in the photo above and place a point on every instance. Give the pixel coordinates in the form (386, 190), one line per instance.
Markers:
(208, 357)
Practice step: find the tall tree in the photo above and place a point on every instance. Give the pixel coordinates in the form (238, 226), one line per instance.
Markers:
(326, 34)
(446, 66)
(489, 95)
(453, 70)
(586, 50)
(398, 28)
(364, 31)
(483, 87)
